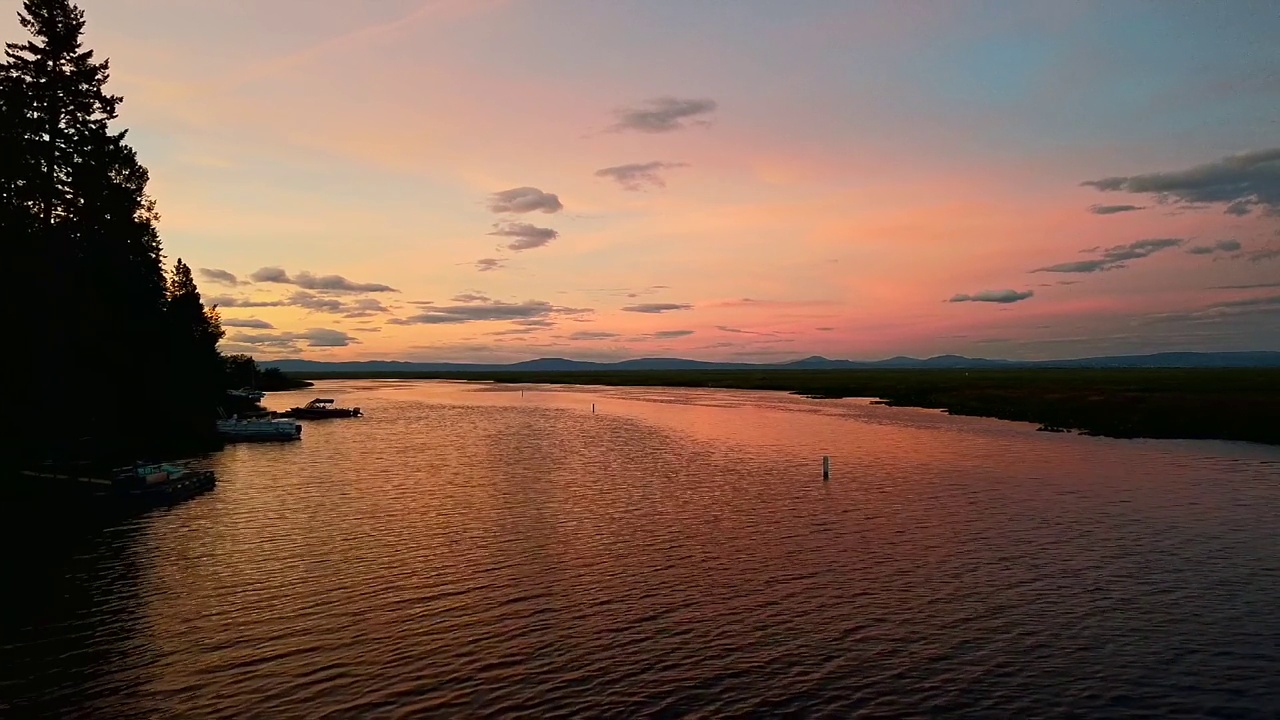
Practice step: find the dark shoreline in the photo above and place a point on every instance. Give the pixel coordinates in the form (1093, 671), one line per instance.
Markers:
(1241, 404)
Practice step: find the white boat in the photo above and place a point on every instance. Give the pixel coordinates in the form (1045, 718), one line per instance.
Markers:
(264, 429)
(248, 393)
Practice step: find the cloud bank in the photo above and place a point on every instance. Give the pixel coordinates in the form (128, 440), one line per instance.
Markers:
(1240, 182)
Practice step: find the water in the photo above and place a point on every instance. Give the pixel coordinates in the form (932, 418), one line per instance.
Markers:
(466, 551)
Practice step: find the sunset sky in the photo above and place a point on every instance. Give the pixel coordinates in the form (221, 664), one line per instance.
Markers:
(487, 180)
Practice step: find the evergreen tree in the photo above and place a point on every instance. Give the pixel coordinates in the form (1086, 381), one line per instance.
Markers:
(25, 291)
(65, 98)
(92, 306)
(194, 333)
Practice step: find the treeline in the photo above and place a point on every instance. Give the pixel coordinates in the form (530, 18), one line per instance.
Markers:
(113, 354)
(244, 372)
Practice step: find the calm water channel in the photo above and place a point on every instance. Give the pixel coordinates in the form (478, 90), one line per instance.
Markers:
(472, 551)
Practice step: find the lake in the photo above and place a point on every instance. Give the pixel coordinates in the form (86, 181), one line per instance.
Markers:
(491, 551)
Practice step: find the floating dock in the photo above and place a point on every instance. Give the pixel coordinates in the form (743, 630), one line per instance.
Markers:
(137, 487)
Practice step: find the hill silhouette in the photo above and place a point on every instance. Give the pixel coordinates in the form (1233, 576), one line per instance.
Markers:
(1254, 359)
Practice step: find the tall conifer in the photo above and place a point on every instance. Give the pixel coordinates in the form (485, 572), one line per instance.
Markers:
(194, 333)
(97, 316)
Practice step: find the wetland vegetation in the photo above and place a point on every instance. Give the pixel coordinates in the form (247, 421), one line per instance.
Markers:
(1195, 403)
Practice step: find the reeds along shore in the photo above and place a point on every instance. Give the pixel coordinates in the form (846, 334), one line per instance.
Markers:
(1198, 403)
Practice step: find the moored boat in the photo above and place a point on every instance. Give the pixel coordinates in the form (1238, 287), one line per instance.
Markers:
(259, 429)
(319, 409)
(248, 393)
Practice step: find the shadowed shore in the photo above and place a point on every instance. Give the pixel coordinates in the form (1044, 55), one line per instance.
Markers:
(1203, 403)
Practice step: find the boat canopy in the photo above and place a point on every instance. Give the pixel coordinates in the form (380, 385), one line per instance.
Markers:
(321, 401)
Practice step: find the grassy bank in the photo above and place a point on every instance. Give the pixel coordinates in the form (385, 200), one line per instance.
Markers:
(1223, 404)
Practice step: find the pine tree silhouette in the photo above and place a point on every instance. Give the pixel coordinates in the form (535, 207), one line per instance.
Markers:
(110, 350)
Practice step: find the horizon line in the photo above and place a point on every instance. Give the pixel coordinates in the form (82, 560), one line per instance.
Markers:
(785, 362)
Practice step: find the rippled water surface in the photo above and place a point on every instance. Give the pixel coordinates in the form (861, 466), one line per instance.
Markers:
(490, 551)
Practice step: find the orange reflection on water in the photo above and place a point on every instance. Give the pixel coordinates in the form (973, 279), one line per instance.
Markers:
(466, 549)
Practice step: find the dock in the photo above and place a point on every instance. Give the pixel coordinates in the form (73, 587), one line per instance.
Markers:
(137, 487)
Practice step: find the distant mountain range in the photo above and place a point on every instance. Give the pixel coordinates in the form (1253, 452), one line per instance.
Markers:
(1158, 360)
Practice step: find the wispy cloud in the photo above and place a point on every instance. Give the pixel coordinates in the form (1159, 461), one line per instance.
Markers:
(760, 303)
(316, 303)
(230, 301)
(253, 323)
(235, 347)
(221, 277)
(739, 331)
(524, 200)
(1263, 301)
(1114, 258)
(467, 297)
(1239, 182)
(654, 308)
(1259, 255)
(664, 114)
(593, 335)
(626, 292)
(490, 264)
(487, 311)
(1220, 246)
(337, 283)
(524, 236)
(1113, 209)
(1265, 307)
(308, 281)
(670, 334)
(1003, 297)
(359, 307)
(1253, 286)
(270, 275)
(513, 331)
(637, 176)
(313, 337)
